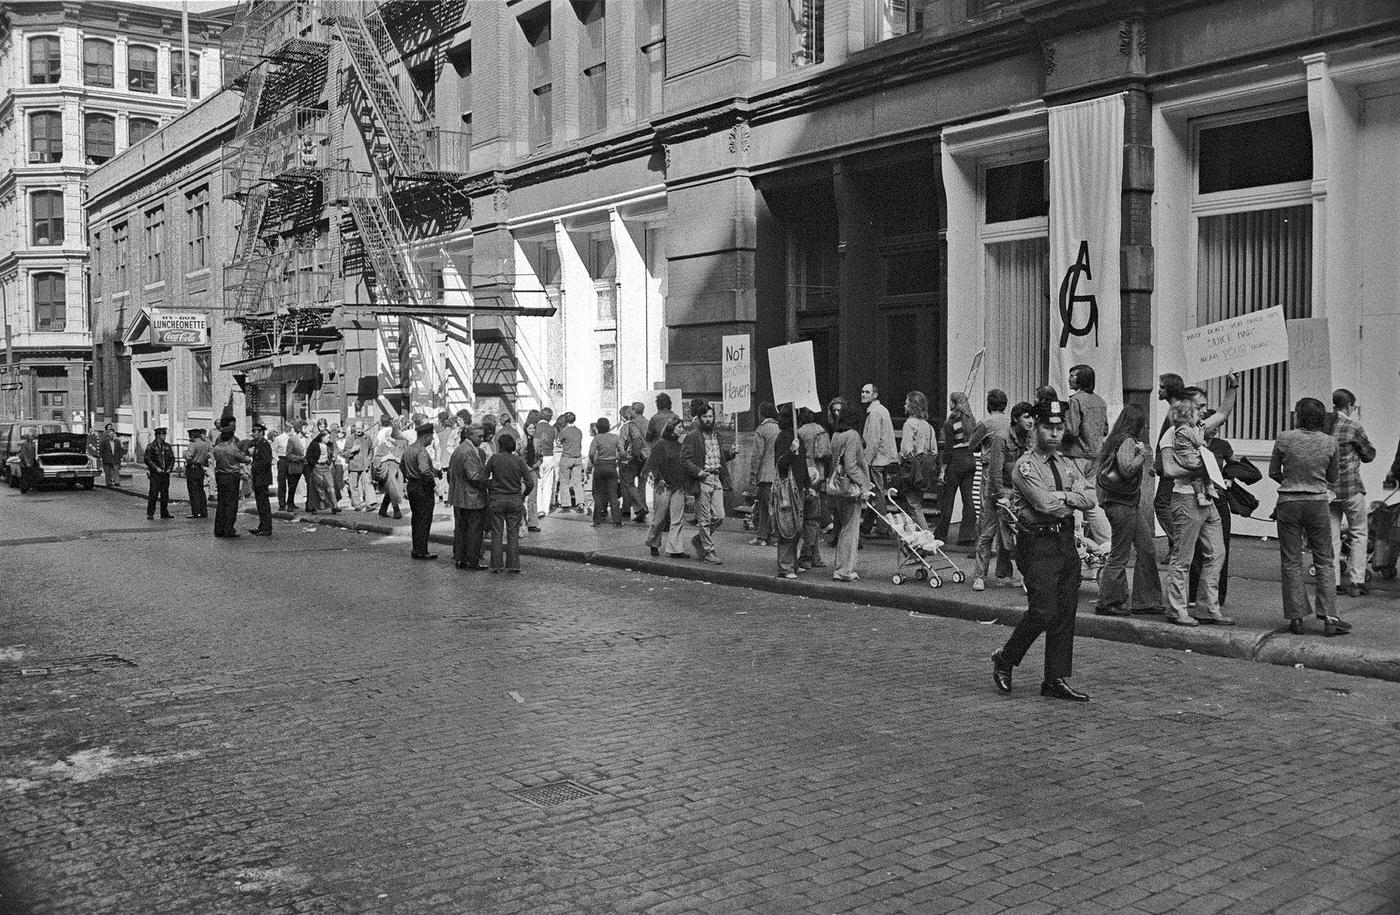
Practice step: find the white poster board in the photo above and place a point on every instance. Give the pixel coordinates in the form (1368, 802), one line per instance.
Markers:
(1309, 360)
(793, 371)
(736, 372)
(1236, 344)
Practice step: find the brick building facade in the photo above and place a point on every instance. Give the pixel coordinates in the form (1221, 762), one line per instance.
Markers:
(159, 232)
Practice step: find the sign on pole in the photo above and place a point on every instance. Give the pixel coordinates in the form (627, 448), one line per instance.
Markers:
(1309, 360)
(793, 370)
(736, 372)
(1236, 344)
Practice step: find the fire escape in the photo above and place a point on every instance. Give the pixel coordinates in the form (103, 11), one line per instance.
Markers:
(369, 152)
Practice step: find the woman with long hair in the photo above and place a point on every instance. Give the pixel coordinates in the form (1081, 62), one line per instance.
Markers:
(834, 409)
(919, 443)
(1121, 463)
(1305, 465)
(959, 470)
(848, 464)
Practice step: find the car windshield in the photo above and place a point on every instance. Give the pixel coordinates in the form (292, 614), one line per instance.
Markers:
(39, 429)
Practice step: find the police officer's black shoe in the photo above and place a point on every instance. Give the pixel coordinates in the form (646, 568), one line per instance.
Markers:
(1059, 689)
(1001, 672)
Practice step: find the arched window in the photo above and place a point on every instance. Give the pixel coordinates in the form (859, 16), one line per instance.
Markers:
(45, 59)
(50, 304)
(97, 63)
(99, 138)
(139, 129)
(141, 69)
(46, 208)
(45, 137)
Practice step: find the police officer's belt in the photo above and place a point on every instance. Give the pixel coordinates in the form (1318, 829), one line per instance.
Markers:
(1056, 527)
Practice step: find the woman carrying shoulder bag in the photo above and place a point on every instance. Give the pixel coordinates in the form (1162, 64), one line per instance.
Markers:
(918, 452)
(1121, 464)
(848, 487)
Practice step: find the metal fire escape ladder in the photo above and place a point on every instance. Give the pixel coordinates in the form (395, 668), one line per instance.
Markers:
(401, 135)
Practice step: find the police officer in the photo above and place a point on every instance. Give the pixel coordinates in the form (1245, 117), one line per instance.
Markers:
(160, 462)
(1047, 490)
(196, 468)
(420, 475)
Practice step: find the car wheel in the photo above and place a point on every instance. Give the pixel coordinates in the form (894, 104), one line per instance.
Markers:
(88, 484)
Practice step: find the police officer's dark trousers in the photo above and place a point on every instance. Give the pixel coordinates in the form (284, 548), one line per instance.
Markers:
(194, 485)
(159, 491)
(420, 503)
(1050, 564)
(226, 512)
(264, 503)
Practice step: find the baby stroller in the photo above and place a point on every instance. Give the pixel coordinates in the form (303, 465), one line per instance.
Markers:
(1383, 529)
(918, 549)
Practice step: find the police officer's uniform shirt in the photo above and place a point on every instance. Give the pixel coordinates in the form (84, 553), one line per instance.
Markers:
(1037, 497)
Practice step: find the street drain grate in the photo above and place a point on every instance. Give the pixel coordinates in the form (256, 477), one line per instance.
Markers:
(553, 794)
(80, 665)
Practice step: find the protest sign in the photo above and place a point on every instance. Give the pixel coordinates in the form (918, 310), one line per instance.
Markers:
(1309, 360)
(736, 372)
(793, 371)
(1236, 344)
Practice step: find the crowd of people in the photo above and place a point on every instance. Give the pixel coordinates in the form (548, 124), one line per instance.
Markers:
(820, 482)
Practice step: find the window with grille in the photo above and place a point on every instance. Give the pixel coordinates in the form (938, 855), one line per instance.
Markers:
(197, 229)
(1018, 315)
(806, 22)
(97, 64)
(1247, 262)
(121, 254)
(45, 59)
(155, 245)
(813, 269)
(45, 137)
(899, 17)
(1254, 244)
(177, 74)
(138, 129)
(203, 393)
(537, 36)
(141, 69)
(99, 138)
(50, 305)
(607, 375)
(47, 212)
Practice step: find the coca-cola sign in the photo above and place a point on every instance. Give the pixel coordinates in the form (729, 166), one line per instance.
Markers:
(170, 328)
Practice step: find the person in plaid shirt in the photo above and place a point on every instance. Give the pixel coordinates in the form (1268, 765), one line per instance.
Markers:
(1349, 501)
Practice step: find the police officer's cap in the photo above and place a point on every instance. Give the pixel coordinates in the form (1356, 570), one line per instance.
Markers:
(161, 431)
(425, 429)
(259, 427)
(1049, 413)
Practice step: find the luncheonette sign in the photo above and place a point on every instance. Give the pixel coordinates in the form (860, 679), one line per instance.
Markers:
(173, 328)
(1236, 344)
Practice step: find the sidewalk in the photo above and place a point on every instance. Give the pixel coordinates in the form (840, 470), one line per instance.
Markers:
(1372, 650)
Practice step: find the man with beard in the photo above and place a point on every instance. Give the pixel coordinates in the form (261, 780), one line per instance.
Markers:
(704, 460)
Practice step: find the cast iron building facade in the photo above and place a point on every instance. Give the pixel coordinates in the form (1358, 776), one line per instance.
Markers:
(81, 83)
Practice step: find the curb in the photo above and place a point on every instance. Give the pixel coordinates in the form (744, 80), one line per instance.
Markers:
(1266, 647)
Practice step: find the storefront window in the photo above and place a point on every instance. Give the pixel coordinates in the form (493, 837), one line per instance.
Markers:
(203, 386)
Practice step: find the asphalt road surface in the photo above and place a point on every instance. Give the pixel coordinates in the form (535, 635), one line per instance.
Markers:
(314, 723)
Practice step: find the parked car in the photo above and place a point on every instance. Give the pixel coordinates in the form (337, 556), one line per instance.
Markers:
(63, 455)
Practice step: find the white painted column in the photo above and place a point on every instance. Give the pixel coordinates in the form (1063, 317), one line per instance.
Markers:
(967, 317)
(581, 377)
(532, 341)
(633, 328)
(459, 362)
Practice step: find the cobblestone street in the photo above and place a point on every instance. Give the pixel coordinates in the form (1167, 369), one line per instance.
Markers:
(315, 723)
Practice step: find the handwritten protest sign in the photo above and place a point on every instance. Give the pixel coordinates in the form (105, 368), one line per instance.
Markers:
(1309, 360)
(794, 374)
(1236, 344)
(736, 372)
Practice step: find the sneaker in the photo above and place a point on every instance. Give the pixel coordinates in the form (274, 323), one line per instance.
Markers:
(711, 558)
(787, 575)
(757, 542)
(1004, 582)
(979, 584)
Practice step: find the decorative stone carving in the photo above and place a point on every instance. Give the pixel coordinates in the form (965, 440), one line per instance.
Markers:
(740, 138)
(1047, 57)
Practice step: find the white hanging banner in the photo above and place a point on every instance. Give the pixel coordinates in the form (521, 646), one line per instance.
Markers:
(1086, 200)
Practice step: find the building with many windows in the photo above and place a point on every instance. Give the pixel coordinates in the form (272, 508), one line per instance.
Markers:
(160, 232)
(81, 83)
